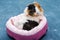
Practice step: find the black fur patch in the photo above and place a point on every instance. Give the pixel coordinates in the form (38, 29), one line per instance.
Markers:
(29, 25)
(31, 9)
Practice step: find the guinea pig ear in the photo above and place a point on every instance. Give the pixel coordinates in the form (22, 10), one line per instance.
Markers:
(39, 7)
(25, 11)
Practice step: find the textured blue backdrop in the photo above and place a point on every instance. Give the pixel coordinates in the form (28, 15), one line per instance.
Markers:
(9, 8)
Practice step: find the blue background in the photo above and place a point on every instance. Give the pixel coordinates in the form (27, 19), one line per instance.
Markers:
(9, 8)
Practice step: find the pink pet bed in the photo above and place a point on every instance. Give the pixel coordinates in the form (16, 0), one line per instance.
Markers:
(33, 34)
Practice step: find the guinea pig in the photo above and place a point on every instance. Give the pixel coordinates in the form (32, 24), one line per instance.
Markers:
(33, 12)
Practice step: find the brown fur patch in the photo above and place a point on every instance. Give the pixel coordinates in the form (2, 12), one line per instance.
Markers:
(38, 6)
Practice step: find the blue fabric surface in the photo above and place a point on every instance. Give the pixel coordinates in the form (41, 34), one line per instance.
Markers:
(9, 8)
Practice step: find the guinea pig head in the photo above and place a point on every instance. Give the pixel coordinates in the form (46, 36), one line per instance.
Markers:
(33, 10)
